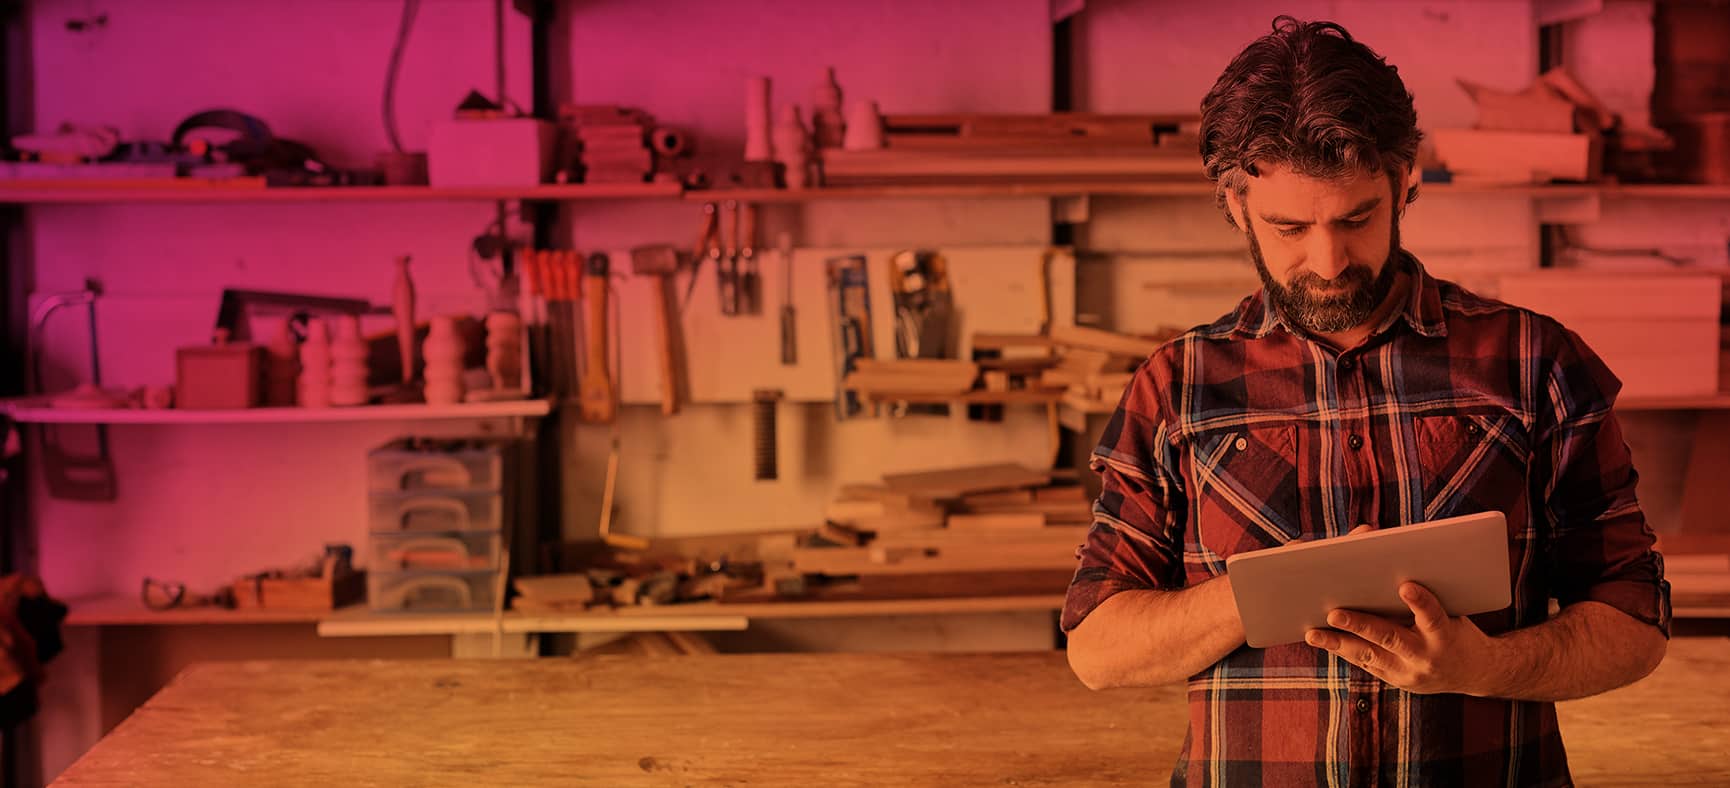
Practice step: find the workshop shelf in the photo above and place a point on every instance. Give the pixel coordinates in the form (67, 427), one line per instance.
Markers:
(190, 190)
(35, 410)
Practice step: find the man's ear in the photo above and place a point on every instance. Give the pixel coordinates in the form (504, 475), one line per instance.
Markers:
(1235, 209)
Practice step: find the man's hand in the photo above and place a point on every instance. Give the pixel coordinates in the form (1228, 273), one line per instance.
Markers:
(1435, 654)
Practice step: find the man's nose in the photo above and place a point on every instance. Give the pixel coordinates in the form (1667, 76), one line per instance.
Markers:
(1328, 255)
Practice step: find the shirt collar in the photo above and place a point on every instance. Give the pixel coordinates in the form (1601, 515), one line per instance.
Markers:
(1422, 310)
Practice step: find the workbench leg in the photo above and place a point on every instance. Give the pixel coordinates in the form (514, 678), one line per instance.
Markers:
(510, 645)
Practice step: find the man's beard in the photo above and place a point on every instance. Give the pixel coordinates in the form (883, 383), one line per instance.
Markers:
(1320, 306)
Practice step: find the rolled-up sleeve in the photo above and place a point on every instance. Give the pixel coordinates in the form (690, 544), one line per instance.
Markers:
(1137, 535)
(1600, 545)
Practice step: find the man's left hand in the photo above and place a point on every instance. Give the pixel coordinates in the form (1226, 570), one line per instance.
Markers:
(1435, 654)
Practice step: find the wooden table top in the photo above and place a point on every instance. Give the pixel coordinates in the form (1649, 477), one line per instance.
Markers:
(783, 719)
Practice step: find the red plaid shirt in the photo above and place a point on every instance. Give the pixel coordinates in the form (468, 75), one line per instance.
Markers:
(1244, 434)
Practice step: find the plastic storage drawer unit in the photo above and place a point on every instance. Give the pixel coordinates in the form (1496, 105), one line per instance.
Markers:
(435, 512)
(426, 465)
(431, 592)
(400, 551)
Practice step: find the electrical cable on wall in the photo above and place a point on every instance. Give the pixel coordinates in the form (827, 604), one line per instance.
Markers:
(410, 8)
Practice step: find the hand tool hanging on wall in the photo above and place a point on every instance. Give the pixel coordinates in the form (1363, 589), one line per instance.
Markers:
(727, 274)
(533, 310)
(750, 279)
(661, 262)
(764, 456)
(708, 248)
(71, 476)
(402, 308)
(789, 323)
(850, 317)
(924, 312)
(596, 403)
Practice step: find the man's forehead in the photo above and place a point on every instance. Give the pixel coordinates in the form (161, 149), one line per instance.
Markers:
(1280, 190)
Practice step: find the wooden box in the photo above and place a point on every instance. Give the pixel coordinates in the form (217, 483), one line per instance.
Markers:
(1658, 332)
(301, 593)
(1518, 156)
(218, 377)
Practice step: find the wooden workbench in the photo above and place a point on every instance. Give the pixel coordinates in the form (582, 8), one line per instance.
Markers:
(780, 719)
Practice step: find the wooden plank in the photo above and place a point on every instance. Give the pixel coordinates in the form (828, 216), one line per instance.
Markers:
(842, 167)
(619, 721)
(35, 410)
(1071, 535)
(129, 611)
(1108, 341)
(1003, 497)
(956, 482)
(80, 192)
(840, 561)
(1002, 521)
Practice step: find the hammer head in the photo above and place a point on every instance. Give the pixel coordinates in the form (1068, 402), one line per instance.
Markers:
(655, 260)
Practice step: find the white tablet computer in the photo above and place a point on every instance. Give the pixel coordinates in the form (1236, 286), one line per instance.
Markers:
(1283, 592)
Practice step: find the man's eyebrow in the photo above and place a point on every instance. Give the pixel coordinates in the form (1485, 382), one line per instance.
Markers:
(1357, 210)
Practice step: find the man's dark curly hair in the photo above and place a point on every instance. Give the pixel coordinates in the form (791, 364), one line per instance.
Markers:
(1309, 97)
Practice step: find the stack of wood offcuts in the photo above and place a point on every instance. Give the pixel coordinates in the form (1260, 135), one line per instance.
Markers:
(987, 530)
(613, 143)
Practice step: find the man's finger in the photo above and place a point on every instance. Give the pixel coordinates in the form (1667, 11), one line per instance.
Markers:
(1355, 650)
(1427, 610)
(1383, 633)
(1360, 529)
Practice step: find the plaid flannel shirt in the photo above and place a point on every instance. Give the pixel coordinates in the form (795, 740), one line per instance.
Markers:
(1245, 434)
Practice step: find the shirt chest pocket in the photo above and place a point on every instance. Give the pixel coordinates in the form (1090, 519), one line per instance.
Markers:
(1247, 488)
(1470, 463)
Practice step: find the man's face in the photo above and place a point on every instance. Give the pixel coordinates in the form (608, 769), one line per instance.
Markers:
(1323, 247)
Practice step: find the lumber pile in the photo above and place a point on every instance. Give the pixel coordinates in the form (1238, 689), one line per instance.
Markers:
(980, 530)
(1095, 366)
(612, 143)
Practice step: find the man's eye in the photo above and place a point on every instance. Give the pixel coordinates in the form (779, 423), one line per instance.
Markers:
(1353, 224)
(1290, 232)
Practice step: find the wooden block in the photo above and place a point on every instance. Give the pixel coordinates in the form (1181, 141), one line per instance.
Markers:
(844, 167)
(1054, 511)
(841, 534)
(1001, 342)
(1002, 498)
(956, 482)
(1019, 582)
(997, 521)
(947, 537)
(1705, 496)
(842, 561)
(1110, 342)
(571, 589)
(851, 511)
(1517, 156)
(878, 492)
(1069, 493)
(300, 593)
(1569, 294)
(996, 380)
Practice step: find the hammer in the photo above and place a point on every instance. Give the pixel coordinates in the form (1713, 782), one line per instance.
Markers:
(661, 261)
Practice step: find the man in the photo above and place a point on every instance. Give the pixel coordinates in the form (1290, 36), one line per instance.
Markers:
(1354, 388)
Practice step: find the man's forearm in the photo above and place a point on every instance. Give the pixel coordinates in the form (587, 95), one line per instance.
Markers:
(1588, 648)
(1149, 638)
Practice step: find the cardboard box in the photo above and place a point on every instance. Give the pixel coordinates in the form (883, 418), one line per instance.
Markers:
(490, 152)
